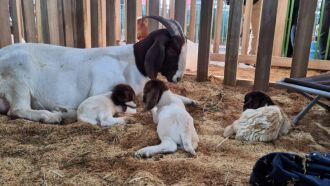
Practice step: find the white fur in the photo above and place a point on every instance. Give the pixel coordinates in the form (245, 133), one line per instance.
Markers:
(175, 127)
(182, 63)
(262, 124)
(100, 109)
(48, 77)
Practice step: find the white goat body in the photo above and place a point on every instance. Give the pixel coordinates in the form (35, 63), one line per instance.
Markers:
(262, 124)
(100, 109)
(175, 127)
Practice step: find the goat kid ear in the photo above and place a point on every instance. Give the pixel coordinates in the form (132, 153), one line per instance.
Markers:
(150, 99)
(154, 59)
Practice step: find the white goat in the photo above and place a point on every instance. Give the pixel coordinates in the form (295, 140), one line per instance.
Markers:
(46, 83)
(263, 124)
(100, 109)
(175, 125)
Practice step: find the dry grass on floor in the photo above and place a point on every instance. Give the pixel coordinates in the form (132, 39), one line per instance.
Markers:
(79, 154)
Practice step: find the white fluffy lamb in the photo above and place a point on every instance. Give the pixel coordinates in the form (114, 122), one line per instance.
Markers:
(100, 109)
(175, 125)
(260, 121)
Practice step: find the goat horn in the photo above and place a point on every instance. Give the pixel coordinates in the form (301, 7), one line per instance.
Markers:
(173, 27)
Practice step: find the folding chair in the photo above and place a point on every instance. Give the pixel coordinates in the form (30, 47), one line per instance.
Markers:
(319, 86)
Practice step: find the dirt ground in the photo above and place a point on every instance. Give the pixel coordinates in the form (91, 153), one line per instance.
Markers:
(32, 153)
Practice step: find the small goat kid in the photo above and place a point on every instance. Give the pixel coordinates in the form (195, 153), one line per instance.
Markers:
(260, 121)
(41, 82)
(100, 109)
(175, 125)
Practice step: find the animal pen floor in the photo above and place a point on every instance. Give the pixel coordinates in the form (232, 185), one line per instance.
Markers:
(32, 153)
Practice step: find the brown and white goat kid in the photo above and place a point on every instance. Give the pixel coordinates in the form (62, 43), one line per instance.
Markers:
(175, 125)
(100, 109)
(261, 120)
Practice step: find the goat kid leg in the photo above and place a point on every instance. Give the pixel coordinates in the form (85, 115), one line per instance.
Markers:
(107, 120)
(166, 146)
(187, 101)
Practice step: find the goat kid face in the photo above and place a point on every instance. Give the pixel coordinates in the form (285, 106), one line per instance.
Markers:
(123, 95)
(256, 99)
(152, 92)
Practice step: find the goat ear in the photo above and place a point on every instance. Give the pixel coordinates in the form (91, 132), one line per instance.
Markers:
(150, 99)
(154, 59)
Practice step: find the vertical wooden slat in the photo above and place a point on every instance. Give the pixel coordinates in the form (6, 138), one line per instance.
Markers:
(265, 47)
(68, 14)
(29, 21)
(204, 40)
(16, 20)
(5, 35)
(53, 21)
(282, 9)
(138, 8)
(98, 33)
(246, 26)
(180, 13)
(118, 21)
(192, 22)
(61, 22)
(131, 21)
(232, 46)
(153, 10)
(111, 22)
(164, 14)
(87, 23)
(218, 23)
(172, 9)
(39, 17)
(300, 58)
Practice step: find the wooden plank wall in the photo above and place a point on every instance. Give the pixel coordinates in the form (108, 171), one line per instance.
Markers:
(73, 23)
(246, 26)
(232, 47)
(306, 16)
(204, 40)
(265, 46)
(218, 24)
(192, 22)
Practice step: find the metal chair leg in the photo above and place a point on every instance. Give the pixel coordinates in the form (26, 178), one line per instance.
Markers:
(303, 112)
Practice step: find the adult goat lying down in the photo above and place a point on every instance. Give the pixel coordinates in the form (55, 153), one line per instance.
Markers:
(47, 83)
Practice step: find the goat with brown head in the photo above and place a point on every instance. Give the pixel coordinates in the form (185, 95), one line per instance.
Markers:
(162, 51)
(256, 99)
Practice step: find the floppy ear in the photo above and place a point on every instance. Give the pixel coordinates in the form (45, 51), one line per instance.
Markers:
(266, 101)
(154, 59)
(151, 98)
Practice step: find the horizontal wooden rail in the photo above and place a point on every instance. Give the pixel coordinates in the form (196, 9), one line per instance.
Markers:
(313, 64)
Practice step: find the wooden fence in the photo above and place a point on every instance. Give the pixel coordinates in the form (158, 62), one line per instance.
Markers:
(97, 23)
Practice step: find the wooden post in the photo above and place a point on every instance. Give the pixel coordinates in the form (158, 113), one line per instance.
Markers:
(204, 40)
(172, 9)
(68, 15)
(246, 26)
(131, 21)
(111, 22)
(138, 8)
(29, 21)
(218, 23)
(282, 9)
(180, 13)
(164, 14)
(192, 22)
(98, 30)
(265, 46)
(17, 20)
(5, 35)
(42, 21)
(83, 23)
(61, 22)
(303, 38)
(232, 47)
(53, 21)
(153, 10)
